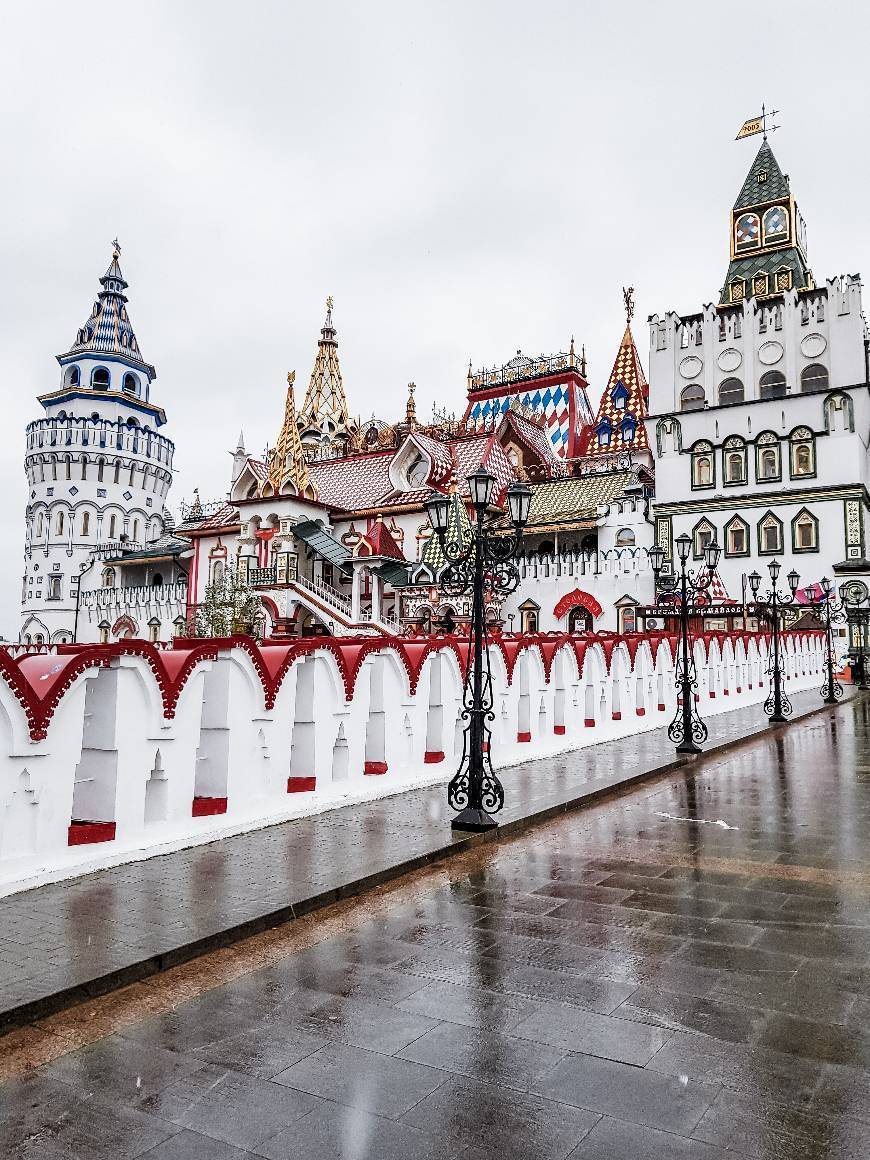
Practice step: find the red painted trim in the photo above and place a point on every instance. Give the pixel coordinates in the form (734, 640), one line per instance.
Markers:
(523, 738)
(616, 716)
(559, 730)
(712, 694)
(486, 747)
(577, 599)
(433, 756)
(589, 722)
(204, 807)
(661, 707)
(375, 767)
(641, 712)
(85, 833)
(301, 784)
(739, 690)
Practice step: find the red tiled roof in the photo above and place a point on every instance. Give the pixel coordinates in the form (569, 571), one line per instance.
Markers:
(381, 541)
(533, 434)
(627, 371)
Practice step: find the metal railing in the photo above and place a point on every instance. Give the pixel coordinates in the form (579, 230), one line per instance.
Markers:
(327, 593)
(136, 594)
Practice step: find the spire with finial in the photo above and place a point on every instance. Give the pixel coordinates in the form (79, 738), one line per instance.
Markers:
(619, 424)
(108, 329)
(325, 405)
(287, 460)
(411, 406)
(583, 360)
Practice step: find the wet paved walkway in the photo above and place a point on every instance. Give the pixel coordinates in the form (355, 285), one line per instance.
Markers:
(63, 942)
(682, 973)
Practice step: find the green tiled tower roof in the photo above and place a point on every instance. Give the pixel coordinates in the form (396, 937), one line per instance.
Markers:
(765, 262)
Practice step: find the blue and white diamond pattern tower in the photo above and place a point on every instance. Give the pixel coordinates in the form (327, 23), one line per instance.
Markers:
(98, 469)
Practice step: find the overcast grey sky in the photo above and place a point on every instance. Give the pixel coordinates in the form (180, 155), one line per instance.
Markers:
(465, 178)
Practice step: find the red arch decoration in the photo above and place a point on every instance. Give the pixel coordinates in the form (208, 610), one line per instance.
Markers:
(575, 599)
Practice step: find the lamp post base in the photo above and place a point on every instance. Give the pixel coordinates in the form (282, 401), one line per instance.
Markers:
(777, 718)
(689, 747)
(473, 820)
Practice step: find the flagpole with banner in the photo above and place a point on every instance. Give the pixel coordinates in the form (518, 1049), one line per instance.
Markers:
(757, 125)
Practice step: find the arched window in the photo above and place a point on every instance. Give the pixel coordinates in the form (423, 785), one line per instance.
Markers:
(770, 535)
(84, 467)
(109, 578)
(703, 474)
(736, 537)
(839, 413)
(703, 534)
(815, 378)
(136, 531)
(100, 465)
(805, 532)
(72, 376)
(157, 580)
(104, 632)
(117, 471)
(100, 378)
(625, 538)
(692, 398)
(113, 523)
(40, 525)
(86, 523)
(747, 234)
(775, 224)
(58, 524)
(154, 629)
(771, 385)
(130, 384)
(767, 465)
(730, 391)
(604, 433)
(734, 460)
(803, 452)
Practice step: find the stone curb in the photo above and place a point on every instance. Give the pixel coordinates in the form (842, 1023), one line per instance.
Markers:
(459, 843)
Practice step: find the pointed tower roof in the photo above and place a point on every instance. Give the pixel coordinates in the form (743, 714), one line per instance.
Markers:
(324, 405)
(287, 461)
(768, 249)
(619, 424)
(109, 330)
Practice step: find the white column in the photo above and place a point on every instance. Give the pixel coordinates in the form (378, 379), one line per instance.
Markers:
(356, 584)
(377, 595)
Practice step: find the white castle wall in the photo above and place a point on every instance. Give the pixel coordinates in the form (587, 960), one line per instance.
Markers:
(349, 721)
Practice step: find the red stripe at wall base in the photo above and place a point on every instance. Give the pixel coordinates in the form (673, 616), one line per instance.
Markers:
(524, 737)
(616, 716)
(204, 807)
(301, 784)
(559, 730)
(641, 712)
(84, 833)
(375, 767)
(433, 756)
(589, 722)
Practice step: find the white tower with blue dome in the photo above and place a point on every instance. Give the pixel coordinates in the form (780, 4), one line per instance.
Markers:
(98, 469)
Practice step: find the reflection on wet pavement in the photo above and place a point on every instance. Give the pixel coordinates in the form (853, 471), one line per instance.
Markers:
(625, 983)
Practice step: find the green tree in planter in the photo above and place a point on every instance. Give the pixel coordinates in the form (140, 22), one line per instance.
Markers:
(228, 607)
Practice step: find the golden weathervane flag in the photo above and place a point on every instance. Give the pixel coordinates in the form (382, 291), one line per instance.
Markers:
(751, 127)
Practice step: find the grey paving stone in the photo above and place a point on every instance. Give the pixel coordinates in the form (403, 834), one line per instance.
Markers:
(378, 1084)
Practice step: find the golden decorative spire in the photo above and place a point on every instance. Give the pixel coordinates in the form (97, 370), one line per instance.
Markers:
(411, 407)
(287, 461)
(325, 405)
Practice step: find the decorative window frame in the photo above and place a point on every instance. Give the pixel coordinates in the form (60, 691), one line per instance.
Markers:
(619, 396)
(689, 387)
(768, 518)
(736, 290)
(781, 235)
(848, 407)
(804, 513)
(783, 279)
(740, 522)
(760, 285)
(781, 381)
(799, 437)
(732, 445)
(703, 525)
(703, 447)
(747, 247)
(628, 427)
(811, 367)
(669, 426)
(605, 427)
(768, 441)
(724, 383)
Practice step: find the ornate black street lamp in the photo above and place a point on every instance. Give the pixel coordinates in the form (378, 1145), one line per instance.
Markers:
(687, 731)
(833, 612)
(774, 605)
(481, 564)
(855, 597)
